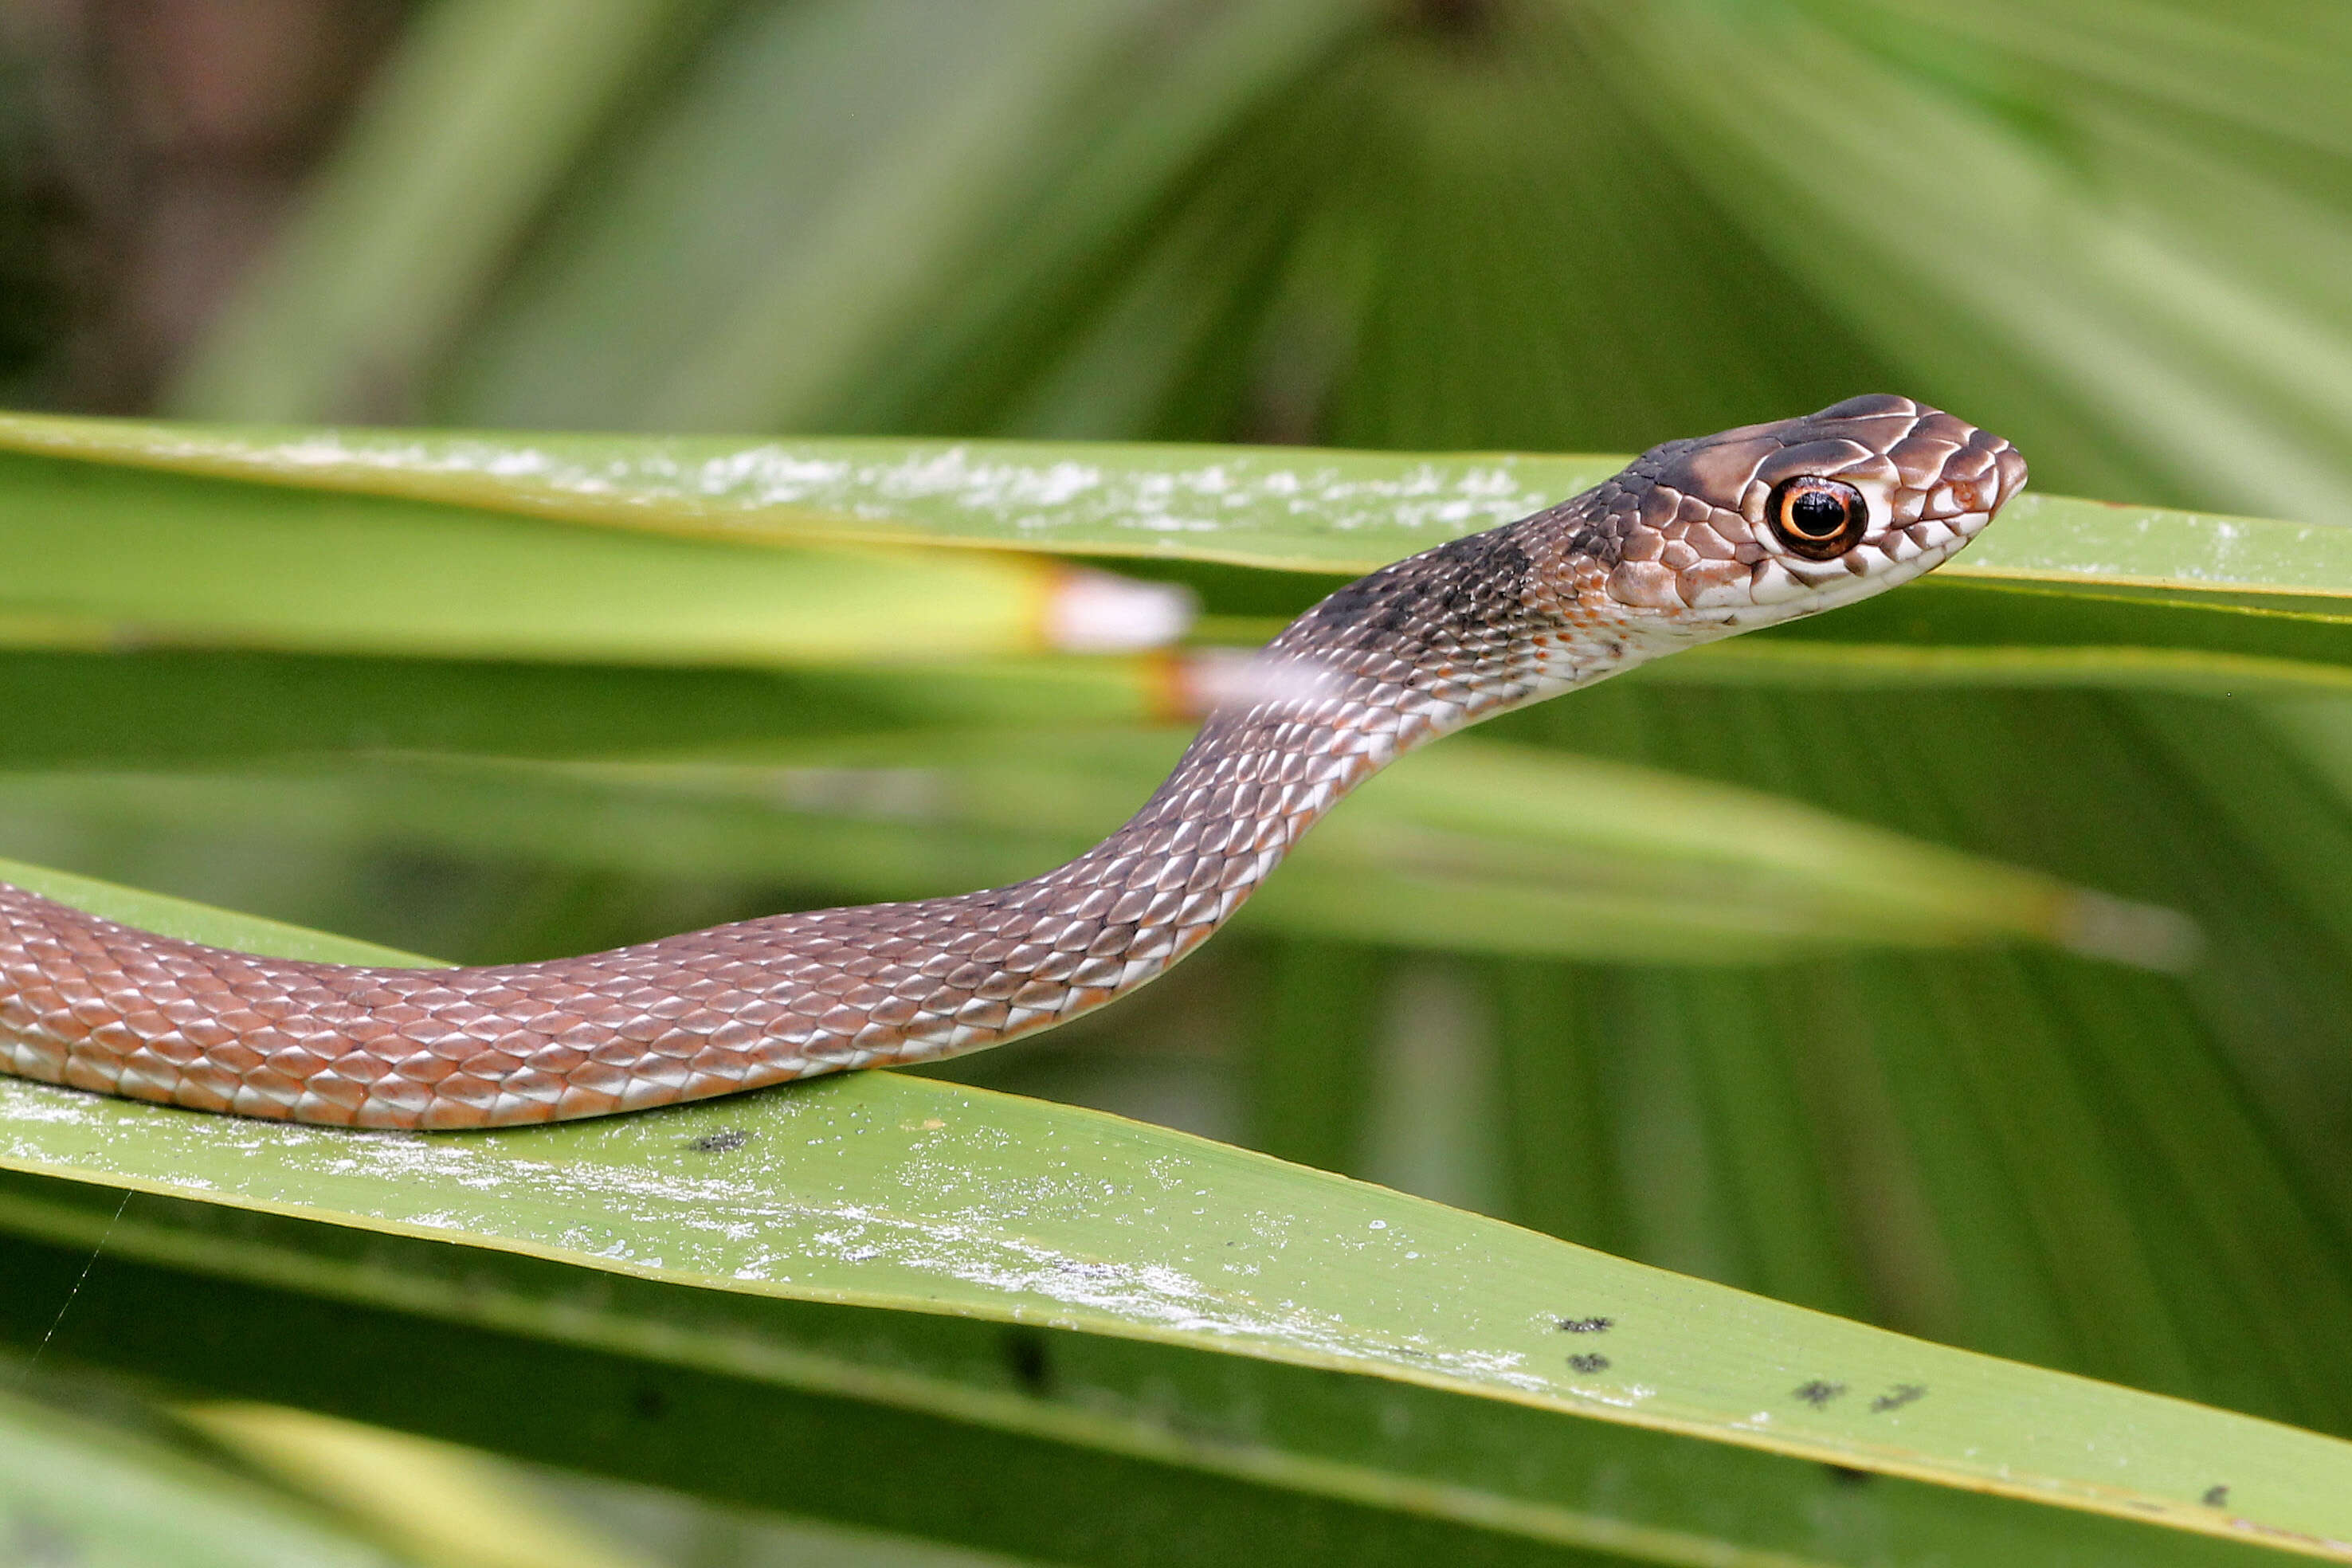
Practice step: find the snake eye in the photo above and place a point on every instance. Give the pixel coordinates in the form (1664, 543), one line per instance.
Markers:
(1817, 517)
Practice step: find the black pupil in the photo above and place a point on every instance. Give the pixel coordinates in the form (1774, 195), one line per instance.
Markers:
(1816, 514)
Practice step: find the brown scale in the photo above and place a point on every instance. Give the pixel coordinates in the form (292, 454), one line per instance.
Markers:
(1676, 549)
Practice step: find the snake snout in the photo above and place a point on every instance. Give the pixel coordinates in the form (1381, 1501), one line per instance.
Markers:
(1974, 482)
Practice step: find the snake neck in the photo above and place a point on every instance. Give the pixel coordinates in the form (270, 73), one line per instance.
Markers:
(1386, 665)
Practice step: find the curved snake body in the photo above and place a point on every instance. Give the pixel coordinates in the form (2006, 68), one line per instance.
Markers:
(1677, 548)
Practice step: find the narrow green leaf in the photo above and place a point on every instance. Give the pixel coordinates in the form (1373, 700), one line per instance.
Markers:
(1523, 798)
(157, 706)
(151, 559)
(1127, 1451)
(74, 1493)
(1281, 508)
(1476, 847)
(444, 1507)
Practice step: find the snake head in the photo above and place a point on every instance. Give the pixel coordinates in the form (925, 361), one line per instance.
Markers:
(1771, 522)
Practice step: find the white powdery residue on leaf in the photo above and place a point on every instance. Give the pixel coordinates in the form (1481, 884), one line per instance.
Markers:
(1056, 486)
(1506, 1367)
(1422, 497)
(769, 476)
(1422, 479)
(22, 1101)
(1458, 516)
(740, 1227)
(659, 1196)
(976, 1252)
(1171, 1298)
(849, 1245)
(1494, 483)
(1172, 1172)
(528, 463)
(996, 487)
(463, 458)
(1625, 1398)
(659, 463)
(326, 451)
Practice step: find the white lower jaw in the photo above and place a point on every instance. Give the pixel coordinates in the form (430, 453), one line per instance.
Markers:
(1834, 593)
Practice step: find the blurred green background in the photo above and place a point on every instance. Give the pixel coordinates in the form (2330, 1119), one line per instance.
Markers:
(2117, 231)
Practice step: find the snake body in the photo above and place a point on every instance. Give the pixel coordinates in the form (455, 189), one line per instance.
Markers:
(1694, 540)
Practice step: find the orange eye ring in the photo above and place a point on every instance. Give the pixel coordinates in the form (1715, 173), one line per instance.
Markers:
(1816, 519)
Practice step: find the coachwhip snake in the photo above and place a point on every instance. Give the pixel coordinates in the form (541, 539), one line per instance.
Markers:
(1694, 541)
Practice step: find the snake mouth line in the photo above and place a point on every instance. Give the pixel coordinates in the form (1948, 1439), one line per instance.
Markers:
(1834, 593)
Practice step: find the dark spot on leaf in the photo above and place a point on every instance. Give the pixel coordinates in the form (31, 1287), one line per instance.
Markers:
(2215, 1496)
(720, 1143)
(1846, 1475)
(1896, 1397)
(1026, 1357)
(1589, 1363)
(1817, 1393)
(1587, 1325)
(651, 1402)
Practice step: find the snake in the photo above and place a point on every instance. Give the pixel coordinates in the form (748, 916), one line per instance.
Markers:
(1694, 540)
